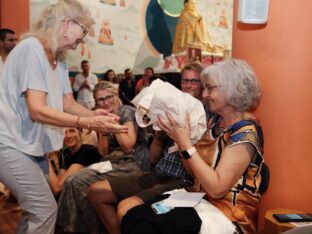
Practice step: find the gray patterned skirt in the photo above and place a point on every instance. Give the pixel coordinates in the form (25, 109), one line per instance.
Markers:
(75, 213)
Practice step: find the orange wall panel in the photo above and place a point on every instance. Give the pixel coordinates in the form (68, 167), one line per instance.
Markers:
(15, 15)
(281, 54)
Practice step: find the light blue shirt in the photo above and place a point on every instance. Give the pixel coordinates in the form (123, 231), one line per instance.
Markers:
(27, 68)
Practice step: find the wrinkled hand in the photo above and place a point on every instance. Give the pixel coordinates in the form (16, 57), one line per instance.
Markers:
(84, 85)
(101, 111)
(107, 124)
(181, 135)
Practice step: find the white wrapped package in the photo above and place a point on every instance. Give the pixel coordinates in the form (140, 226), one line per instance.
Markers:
(161, 97)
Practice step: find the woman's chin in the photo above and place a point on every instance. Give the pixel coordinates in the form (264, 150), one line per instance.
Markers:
(70, 145)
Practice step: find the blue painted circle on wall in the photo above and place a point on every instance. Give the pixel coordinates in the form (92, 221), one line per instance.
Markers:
(160, 28)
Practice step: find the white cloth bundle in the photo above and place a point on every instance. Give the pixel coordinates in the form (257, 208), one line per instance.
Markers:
(213, 220)
(102, 167)
(161, 97)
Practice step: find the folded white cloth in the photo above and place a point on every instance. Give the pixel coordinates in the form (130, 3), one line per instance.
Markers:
(102, 167)
(213, 220)
(161, 97)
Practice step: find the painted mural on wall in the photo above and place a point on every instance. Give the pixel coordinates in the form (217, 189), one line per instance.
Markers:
(139, 33)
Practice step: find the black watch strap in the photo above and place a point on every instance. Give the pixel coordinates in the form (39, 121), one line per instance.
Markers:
(186, 154)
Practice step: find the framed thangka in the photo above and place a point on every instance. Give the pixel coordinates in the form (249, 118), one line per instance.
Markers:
(194, 54)
(140, 33)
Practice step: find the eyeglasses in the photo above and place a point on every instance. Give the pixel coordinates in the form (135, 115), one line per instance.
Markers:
(12, 40)
(84, 30)
(105, 99)
(192, 81)
(210, 88)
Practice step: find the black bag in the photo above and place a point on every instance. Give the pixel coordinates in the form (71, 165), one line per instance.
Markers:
(142, 219)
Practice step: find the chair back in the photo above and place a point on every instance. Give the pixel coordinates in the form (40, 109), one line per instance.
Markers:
(265, 178)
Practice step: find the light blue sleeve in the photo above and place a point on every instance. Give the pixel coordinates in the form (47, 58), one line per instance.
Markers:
(30, 66)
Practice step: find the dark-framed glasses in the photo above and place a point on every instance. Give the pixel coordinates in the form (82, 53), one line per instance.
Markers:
(105, 99)
(84, 30)
(192, 81)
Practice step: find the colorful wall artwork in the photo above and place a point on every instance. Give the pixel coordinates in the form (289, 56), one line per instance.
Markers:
(139, 33)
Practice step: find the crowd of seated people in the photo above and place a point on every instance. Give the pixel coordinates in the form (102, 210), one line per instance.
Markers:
(83, 84)
(225, 163)
(231, 169)
(92, 201)
(169, 172)
(128, 154)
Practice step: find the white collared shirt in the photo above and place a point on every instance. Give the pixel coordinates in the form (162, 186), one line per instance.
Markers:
(85, 95)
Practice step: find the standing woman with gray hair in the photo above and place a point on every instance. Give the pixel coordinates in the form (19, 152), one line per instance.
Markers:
(226, 162)
(35, 101)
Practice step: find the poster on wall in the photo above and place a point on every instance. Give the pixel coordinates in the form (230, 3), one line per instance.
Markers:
(140, 33)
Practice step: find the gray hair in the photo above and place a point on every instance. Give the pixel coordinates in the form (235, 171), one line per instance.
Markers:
(238, 82)
(48, 23)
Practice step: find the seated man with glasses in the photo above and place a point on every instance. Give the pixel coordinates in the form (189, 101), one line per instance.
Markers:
(190, 79)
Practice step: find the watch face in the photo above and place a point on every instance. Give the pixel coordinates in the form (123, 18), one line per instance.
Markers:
(185, 154)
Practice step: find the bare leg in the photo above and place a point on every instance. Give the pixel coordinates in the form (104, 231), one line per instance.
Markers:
(126, 205)
(104, 201)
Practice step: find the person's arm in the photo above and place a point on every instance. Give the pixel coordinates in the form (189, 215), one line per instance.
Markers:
(125, 140)
(92, 82)
(233, 163)
(157, 146)
(156, 149)
(77, 83)
(39, 111)
(57, 181)
(85, 84)
(128, 140)
(73, 107)
(139, 86)
(103, 146)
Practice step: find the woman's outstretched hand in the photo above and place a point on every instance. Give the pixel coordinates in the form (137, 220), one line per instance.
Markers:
(104, 124)
(101, 111)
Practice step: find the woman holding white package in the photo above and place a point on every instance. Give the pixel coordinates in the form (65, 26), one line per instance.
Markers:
(226, 163)
(35, 100)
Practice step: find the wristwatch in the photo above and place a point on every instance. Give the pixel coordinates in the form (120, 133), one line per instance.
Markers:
(186, 154)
